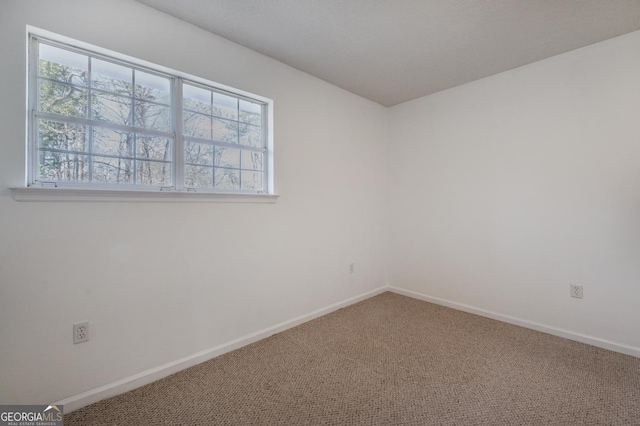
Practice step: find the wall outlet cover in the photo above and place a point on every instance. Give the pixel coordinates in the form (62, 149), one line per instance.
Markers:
(81, 332)
(576, 291)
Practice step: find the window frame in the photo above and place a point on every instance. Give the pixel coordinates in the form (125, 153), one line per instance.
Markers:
(177, 80)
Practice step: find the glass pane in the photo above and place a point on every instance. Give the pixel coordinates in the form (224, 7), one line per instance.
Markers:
(198, 153)
(251, 160)
(250, 135)
(225, 130)
(111, 77)
(250, 112)
(112, 170)
(198, 176)
(153, 173)
(63, 65)
(153, 148)
(65, 136)
(63, 166)
(252, 180)
(196, 99)
(111, 108)
(227, 179)
(197, 125)
(151, 87)
(152, 116)
(112, 142)
(62, 99)
(225, 106)
(227, 157)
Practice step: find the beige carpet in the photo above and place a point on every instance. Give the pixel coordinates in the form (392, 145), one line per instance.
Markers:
(391, 360)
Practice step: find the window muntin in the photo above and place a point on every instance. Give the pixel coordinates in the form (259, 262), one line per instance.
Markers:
(100, 121)
(93, 121)
(223, 140)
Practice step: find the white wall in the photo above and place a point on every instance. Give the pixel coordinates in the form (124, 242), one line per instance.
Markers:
(164, 281)
(506, 190)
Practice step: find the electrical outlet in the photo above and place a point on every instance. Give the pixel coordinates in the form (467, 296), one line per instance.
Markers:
(352, 268)
(81, 332)
(576, 291)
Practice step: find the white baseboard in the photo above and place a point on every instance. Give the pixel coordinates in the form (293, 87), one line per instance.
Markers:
(583, 338)
(129, 383)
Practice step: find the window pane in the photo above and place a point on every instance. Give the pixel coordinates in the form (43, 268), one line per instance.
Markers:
(153, 173)
(227, 179)
(198, 153)
(250, 112)
(153, 148)
(111, 121)
(152, 116)
(196, 99)
(250, 135)
(197, 125)
(225, 130)
(151, 87)
(64, 136)
(111, 108)
(63, 65)
(112, 170)
(252, 180)
(62, 99)
(63, 166)
(111, 142)
(225, 106)
(111, 77)
(198, 176)
(227, 157)
(251, 160)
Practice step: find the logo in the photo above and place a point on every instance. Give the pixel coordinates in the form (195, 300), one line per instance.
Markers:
(31, 415)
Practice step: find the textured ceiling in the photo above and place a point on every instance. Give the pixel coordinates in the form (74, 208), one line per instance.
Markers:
(392, 51)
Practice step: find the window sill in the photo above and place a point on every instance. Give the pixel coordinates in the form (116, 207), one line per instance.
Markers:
(123, 195)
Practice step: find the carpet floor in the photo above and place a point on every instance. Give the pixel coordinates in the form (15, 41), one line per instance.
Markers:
(391, 360)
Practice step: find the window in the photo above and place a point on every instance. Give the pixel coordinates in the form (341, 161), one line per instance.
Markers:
(98, 121)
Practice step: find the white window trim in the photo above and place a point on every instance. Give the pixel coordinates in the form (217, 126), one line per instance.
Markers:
(123, 195)
(120, 193)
